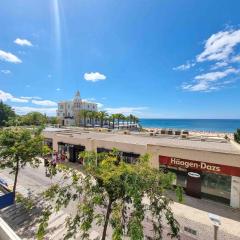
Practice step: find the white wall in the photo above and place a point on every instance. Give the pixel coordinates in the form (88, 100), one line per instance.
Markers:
(6, 233)
(235, 192)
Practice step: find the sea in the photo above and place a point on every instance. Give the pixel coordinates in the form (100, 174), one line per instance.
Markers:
(206, 125)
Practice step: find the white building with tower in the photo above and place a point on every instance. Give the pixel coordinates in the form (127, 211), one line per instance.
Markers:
(68, 111)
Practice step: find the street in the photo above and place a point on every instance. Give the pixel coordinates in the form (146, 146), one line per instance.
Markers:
(34, 181)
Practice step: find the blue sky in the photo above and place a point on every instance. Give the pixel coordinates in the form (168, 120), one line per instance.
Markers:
(152, 58)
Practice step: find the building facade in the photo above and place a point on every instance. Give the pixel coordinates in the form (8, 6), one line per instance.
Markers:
(68, 111)
(207, 169)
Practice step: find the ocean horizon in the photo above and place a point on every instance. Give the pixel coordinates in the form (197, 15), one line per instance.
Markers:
(206, 125)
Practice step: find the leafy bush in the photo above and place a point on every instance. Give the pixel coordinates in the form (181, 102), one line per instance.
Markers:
(237, 136)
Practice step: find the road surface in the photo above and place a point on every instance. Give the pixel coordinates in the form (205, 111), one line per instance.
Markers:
(34, 181)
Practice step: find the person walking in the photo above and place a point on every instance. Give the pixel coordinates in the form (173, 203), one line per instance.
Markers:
(46, 165)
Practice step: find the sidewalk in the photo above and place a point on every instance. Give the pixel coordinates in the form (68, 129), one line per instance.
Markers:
(194, 214)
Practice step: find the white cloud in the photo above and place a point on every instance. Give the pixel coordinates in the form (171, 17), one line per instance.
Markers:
(44, 103)
(100, 105)
(23, 42)
(213, 76)
(210, 81)
(94, 76)
(58, 89)
(184, 67)
(9, 57)
(89, 99)
(19, 100)
(126, 110)
(219, 46)
(4, 96)
(6, 71)
(236, 59)
(219, 65)
(25, 110)
(30, 98)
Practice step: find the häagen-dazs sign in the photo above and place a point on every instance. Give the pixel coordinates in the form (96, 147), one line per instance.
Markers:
(200, 166)
(194, 165)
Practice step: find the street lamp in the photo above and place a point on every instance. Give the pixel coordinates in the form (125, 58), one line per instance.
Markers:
(215, 219)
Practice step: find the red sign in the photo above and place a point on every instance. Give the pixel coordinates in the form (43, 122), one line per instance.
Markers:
(200, 166)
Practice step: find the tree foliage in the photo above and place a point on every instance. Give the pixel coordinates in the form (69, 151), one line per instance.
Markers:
(6, 113)
(237, 136)
(18, 147)
(112, 193)
(34, 119)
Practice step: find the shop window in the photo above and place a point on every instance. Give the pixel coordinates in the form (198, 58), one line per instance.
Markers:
(190, 230)
(216, 184)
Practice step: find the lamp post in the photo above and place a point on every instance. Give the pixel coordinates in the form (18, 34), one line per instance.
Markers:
(215, 219)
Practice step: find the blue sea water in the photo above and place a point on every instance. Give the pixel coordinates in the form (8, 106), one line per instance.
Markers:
(211, 125)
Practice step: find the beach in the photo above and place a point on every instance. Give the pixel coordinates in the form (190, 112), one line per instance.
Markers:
(195, 133)
(196, 126)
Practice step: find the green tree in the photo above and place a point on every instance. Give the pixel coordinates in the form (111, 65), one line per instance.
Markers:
(15, 121)
(113, 118)
(119, 117)
(112, 192)
(83, 115)
(102, 116)
(6, 113)
(110, 119)
(34, 118)
(93, 116)
(127, 119)
(52, 120)
(237, 135)
(18, 147)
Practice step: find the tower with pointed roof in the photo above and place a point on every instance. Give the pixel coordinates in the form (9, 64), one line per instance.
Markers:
(77, 95)
(69, 110)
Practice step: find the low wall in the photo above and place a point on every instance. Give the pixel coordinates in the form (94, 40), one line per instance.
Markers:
(6, 233)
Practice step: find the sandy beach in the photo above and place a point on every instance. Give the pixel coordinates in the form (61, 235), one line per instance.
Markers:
(195, 133)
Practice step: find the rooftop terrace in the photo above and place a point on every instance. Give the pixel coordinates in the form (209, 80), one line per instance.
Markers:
(191, 142)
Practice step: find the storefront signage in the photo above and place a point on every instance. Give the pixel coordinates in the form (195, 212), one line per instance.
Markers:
(200, 166)
(193, 174)
(195, 165)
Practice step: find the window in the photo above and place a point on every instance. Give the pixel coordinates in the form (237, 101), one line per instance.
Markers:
(190, 230)
(216, 184)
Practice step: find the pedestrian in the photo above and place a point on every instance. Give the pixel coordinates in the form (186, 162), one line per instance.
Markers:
(63, 157)
(54, 159)
(46, 165)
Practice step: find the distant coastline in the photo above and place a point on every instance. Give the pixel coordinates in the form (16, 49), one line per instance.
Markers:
(202, 125)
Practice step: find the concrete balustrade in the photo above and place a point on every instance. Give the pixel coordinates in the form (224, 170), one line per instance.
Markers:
(6, 233)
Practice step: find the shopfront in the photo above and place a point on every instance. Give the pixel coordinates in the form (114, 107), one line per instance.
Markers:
(48, 142)
(71, 151)
(201, 179)
(128, 157)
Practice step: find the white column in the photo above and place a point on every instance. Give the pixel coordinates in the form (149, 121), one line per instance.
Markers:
(235, 192)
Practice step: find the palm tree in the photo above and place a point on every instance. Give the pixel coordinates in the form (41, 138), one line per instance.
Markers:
(113, 117)
(127, 118)
(119, 116)
(102, 116)
(110, 119)
(131, 119)
(90, 115)
(135, 120)
(95, 116)
(124, 119)
(83, 115)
